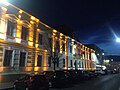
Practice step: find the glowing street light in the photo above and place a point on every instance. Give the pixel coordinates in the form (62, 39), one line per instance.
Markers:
(116, 37)
(4, 2)
(118, 40)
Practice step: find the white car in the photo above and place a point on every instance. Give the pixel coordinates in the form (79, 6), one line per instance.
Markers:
(100, 72)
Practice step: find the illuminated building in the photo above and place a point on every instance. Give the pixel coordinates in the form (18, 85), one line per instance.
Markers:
(28, 45)
(112, 62)
(79, 56)
(23, 40)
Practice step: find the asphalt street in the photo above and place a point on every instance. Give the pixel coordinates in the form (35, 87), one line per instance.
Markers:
(107, 82)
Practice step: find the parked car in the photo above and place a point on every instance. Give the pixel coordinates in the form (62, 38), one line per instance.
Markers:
(74, 76)
(93, 74)
(80, 75)
(100, 72)
(114, 71)
(86, 75)
(56, 78)
(31, 82)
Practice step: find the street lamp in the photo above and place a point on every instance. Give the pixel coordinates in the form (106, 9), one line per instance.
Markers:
(118, 40)
(4, 2)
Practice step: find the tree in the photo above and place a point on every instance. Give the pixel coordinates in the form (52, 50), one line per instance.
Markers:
(54, 56)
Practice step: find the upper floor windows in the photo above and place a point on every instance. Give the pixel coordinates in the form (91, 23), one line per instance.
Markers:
(40, 39)
(11, 26)
(24, 33)
(63, 47)
(57, 46)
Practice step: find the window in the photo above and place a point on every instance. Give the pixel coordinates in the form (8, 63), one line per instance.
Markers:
(70, 49)
(82, 64)
(10, 28)
(40, 39)
(63, 62)
(57, 46)
(22, 59)
(71, 63)
(89, 56)
(75, 64)
(7, 58)
(85, 64)
(49, 61)
(39, 61)
(24, 33)
(79, 64)
(63, 46)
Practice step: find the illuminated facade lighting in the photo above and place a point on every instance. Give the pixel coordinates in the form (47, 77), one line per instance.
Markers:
(28, 43)
(20, 11)
(32, 17)
(18, 40)
(54, 31)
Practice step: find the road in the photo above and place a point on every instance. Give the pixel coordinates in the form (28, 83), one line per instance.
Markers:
(6, 81)
(107, 82)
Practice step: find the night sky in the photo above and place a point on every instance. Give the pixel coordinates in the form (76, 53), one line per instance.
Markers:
(93, 21)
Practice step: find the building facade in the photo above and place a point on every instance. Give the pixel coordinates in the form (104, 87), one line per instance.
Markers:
(28, 45)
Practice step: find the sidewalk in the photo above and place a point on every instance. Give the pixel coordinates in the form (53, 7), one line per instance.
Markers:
(7, 79)
(6, 85)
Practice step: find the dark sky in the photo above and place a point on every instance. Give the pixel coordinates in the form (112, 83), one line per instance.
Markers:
(93, 21)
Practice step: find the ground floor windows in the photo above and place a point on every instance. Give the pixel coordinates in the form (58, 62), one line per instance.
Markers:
(63, 62)
(8, 58)
(71, 63)
(22, 59)
(49, 61)
(39, 61)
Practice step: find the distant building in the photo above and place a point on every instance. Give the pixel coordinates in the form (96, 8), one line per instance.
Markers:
(99, 53)
(112, 62)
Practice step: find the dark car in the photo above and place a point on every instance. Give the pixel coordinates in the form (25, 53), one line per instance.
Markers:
(80, 74)
(86, 75)
(31, 82)
(114, 71)
(93, 74)
(74, 76)
(56, 78)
